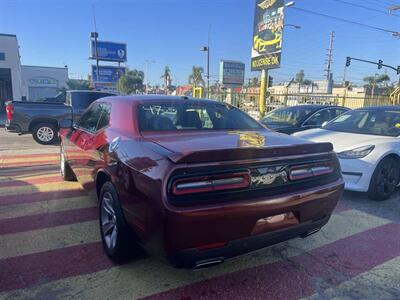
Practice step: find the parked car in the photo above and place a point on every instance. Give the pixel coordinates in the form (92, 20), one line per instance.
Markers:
(298, 118)
(196, 181)
(368, 146)
(41, 119)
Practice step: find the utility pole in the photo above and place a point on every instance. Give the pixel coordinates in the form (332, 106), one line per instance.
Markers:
(95, 35)
(329, 56)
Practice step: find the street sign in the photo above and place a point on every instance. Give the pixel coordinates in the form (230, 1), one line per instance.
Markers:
(267, 36)
(108, 51)
(107, 74)
(231, 73)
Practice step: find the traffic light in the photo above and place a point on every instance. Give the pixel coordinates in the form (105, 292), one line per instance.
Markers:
(348, 61)
(398, 70)
(380, 62)
(270, 81)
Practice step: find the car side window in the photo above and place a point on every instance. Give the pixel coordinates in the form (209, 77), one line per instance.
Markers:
(319, 118)
(104, 120)
(90, 118)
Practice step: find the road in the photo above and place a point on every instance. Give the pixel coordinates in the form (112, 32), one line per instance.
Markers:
(50, 247)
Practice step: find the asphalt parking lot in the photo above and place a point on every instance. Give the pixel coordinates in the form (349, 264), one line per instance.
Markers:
(50, 247)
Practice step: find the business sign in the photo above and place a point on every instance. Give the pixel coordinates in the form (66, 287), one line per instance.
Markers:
(231, 72)
(267, 36)
(108, 51)
(107, 74)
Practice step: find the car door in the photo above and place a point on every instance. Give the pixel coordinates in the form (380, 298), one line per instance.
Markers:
(85, 141)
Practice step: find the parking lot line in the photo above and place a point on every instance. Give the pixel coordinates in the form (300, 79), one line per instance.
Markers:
(26, 209)
(43, 187)
(137, 278)
(11, 172)
(47, 239)
(54, 178)
(55, 195)
(301, 275)
(46, 220)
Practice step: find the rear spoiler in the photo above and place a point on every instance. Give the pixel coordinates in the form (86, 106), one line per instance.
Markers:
(249, 153)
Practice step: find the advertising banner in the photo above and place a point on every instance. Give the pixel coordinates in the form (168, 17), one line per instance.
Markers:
(267, 36)
(107, 74)
(108, 51)
(231, 72)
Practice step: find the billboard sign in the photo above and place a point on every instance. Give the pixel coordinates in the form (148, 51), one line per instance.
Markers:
(267, 36)
(107, 74)
(108, 51)
(231, 73)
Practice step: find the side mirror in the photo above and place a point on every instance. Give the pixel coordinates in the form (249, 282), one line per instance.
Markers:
(65, 123)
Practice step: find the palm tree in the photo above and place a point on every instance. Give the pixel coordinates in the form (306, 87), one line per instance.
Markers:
(167, 78)
(196, 77)
(377, 80)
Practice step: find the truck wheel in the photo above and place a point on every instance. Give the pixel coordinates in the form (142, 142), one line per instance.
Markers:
(116, 236)
(45, 134)
(384, 180)
(65, 169)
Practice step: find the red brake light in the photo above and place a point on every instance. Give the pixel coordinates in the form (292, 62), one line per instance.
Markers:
(307, 171)
(9, 111)
(210, 183)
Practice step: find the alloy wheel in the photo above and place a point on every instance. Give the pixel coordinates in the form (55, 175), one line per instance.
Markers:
(109, 221)
(388, 179)
(45, 134)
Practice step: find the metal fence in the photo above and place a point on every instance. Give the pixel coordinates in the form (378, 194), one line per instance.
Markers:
(249, 102)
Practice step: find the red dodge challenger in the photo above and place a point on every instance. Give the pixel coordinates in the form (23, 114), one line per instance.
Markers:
(196, 181)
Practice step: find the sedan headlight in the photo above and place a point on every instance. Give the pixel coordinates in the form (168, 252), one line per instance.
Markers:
(359, 152)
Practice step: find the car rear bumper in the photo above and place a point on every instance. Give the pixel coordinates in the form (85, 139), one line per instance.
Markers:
(194, 258)
(227, 230)
(12, 127)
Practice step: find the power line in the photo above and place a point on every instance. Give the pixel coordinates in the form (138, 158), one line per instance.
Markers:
(366, 7)
(345, 20)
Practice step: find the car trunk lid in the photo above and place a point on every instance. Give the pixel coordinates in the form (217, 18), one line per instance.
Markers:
(213, 146)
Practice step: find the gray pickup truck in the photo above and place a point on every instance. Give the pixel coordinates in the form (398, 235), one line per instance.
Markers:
(41, 119)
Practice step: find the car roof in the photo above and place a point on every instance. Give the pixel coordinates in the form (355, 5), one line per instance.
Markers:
(383, 107)
(154, 97)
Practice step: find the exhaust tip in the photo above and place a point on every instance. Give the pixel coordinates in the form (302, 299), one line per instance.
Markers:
(202, 264)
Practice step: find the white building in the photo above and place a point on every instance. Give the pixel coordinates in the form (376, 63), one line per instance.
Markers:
(26, 82)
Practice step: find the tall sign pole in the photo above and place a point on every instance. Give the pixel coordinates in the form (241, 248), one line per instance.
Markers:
(267, 41)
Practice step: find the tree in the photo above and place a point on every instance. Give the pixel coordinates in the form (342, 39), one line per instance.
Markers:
(300, 80)
(131, 82)
(254, 82)
(78, 84)
(167, 79)
(196, 77)
(377, 80)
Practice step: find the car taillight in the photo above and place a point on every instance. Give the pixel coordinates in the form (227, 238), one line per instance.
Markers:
(9, 111)
(307, 171)
(210, 183)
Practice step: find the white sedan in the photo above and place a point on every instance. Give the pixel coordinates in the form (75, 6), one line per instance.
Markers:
(367, 142)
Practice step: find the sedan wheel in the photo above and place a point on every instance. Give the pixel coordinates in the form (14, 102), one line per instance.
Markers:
(116, 236)
(109, 221)
(385, 179)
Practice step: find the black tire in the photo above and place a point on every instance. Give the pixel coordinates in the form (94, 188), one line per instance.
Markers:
(65, 170)
(385, 179)
(45, 134)
(120, 247)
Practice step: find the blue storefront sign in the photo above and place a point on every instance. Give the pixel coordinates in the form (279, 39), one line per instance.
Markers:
(107, 74)
(109, 51)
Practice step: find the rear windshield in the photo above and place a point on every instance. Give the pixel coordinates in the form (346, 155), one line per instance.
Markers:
(82, 100)
(185, 115)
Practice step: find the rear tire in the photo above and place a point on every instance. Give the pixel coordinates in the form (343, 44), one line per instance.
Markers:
(385, 179)
(116, 236)
(65, 170)
(45, 134)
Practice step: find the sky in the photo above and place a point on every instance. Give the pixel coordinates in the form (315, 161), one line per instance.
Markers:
(171, 33)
